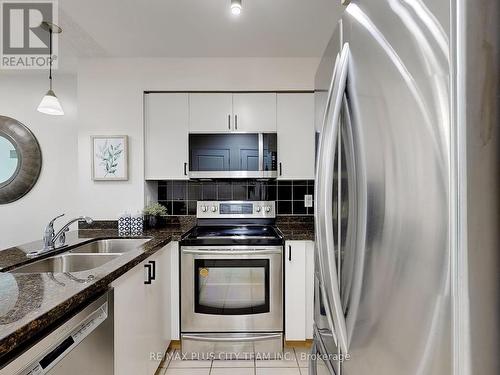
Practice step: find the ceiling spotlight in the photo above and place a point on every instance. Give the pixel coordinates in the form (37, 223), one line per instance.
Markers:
(236, 7)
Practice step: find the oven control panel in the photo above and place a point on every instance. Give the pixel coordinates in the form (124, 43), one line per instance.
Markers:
(236, 209)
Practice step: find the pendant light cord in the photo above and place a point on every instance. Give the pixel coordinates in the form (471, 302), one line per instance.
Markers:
(50, 57)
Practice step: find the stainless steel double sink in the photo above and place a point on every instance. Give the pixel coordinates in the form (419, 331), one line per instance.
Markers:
(84, 257)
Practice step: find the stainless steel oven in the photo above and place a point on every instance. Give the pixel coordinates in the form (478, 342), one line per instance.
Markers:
(232, 288)
(232, 282)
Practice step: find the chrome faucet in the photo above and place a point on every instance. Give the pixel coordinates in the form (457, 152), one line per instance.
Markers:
(50, 237)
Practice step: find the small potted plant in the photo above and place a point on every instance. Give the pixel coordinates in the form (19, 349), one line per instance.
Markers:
(154, 215)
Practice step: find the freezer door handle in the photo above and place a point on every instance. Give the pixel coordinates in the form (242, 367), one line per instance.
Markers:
(353, 262)
(324, 196)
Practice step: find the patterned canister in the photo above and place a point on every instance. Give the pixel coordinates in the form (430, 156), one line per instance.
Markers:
(124, 224)
(136, 225)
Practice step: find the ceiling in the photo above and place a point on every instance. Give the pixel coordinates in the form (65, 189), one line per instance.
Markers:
(195, 28)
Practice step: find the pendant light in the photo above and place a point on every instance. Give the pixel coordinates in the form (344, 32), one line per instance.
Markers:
(50, 104)
(236, 7)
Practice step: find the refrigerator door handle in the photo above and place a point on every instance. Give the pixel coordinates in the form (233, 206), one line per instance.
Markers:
(319, 241)
(347, 271)
(325, 196)
(353, 264)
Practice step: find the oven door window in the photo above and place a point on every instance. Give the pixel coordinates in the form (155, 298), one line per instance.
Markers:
(232, 286)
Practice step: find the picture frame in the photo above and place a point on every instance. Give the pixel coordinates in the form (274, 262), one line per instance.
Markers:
(109, 156)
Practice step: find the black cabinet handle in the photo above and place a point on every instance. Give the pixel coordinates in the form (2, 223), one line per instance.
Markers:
(289, 253)
(153, 269)
(148, 275)
(281, 169)
(185, 169)
(229, 122)
(236, 122)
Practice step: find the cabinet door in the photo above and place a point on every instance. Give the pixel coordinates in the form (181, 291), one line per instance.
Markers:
(174, 291)
(210, 112)
(309, 289)
(166, 135)
(158, 305)
(295, 290)
(295, 123)
(254, 112)
(131, 332)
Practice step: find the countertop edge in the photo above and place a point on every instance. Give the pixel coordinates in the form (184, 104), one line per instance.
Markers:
(14, 343)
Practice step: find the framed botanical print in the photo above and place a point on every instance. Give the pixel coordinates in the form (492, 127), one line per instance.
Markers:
(109, 157)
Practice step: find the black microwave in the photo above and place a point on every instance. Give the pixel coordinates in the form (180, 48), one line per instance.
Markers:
(233, 155)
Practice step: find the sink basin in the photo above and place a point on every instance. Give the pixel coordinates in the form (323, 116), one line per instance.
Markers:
(117, 245)
(67, 263)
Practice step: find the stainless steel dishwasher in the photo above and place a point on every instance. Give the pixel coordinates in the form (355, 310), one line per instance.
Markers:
(82, 345)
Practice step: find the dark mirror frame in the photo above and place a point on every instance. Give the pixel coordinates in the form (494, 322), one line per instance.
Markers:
(29, 160)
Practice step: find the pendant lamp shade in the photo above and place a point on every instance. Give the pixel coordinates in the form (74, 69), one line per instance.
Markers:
(50, 105)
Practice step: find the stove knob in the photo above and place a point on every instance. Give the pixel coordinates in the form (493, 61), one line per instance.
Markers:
(204, 208)
(258, 209)
(268, 208)
(214, 208)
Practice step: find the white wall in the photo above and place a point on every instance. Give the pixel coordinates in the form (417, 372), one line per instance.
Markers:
(20, 93)
(110, 94)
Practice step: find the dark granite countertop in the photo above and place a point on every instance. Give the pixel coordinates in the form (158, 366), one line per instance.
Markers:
(31, 304)
(296, 228)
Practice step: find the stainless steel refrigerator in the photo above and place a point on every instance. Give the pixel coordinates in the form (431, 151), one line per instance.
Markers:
(407, 198)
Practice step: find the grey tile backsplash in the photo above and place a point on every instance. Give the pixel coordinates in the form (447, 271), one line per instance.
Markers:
(180, 196)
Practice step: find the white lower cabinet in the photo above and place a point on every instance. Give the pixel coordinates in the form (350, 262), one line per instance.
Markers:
(174, 291)
(299, 290)
(142, 326)
(309, 289)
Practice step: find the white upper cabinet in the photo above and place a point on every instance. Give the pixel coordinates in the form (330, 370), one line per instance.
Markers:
(210, 112)
(166, 135)
(319, 109)
(169, 117)
(295, 124)
(254, 112)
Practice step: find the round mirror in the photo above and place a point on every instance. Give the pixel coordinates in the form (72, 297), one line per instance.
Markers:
(9, 160)
(20, 160)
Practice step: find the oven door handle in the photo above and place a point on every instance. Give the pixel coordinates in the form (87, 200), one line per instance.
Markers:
(232, 339)
(230, 252)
